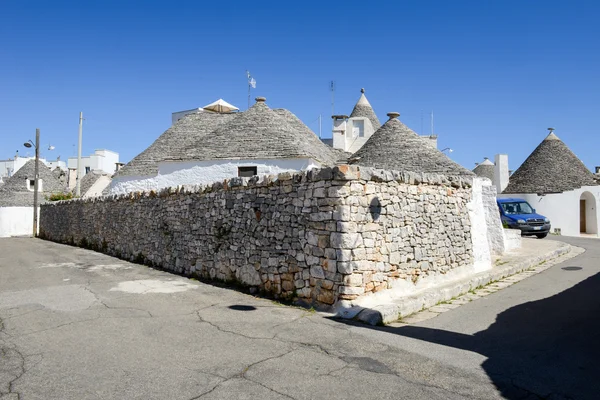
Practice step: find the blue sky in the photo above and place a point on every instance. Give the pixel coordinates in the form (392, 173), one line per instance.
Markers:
(495, 73)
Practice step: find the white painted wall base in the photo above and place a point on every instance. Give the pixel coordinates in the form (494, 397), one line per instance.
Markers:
(512, 239)
(16, 221)
(482, 257)
(172, 174)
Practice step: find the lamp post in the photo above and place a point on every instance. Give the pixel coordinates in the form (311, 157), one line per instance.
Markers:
(37, 177)
(447, 148)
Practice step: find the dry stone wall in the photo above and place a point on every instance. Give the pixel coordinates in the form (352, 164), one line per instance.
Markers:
(316, 236)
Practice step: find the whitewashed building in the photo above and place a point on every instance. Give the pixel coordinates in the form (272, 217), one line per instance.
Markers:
(101, 160)
(559, 186)
(350, 133)
(204, 147)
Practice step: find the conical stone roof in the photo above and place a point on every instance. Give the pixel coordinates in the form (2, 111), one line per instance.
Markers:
(173, 143)
(14, 192)
(394, 146)
(485, 169)
(551, 168)
(261, 133)
(363, 109)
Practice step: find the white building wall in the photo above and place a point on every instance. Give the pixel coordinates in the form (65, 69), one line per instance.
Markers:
(563, 208)
(172, 174)
(16, 221)
(57, 163)
(482, 255)
(10, 167)
(102, 160)
(350, 135)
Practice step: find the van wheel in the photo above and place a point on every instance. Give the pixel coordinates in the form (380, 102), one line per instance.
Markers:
(541, 235)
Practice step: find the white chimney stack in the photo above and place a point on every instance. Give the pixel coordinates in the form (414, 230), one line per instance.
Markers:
(501, 175)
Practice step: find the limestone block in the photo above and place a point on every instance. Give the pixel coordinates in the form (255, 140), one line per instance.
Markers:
(345, 240)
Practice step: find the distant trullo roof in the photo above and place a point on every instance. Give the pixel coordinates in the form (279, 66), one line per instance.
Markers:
(485, 169)
(394, 146)
(89, 179)
(14, 192)
(551, 168)
(363, 109)
(261, 133)
(173, 143)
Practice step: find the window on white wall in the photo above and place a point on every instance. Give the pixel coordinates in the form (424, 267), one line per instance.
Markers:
(247, 172)
(358, 129)
(31, 185)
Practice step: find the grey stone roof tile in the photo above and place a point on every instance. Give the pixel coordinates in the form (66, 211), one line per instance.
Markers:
(261, 133)
(550, 168)
(173, 143)
(394, 146)
(14, 192)
(485, 170)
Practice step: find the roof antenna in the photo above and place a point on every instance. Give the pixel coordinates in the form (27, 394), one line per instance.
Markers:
(332, 88)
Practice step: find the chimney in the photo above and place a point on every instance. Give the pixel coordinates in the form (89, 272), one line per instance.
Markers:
(501, 175)
(339, 132)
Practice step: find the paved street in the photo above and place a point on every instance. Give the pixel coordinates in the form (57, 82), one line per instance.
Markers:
(75, 324)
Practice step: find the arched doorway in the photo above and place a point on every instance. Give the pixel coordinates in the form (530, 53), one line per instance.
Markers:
(588, 221)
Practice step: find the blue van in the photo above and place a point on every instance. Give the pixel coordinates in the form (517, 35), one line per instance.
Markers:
(518, 214)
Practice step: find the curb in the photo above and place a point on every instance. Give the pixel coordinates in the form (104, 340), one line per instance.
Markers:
(392, 312)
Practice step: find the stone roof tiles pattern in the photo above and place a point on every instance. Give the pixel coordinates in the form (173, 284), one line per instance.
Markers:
(485, 170)
(14, 192)
(261, 133)
(173, 143)
(394, 146)
(550, 168)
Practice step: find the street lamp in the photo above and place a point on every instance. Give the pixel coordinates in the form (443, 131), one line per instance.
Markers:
(29, 144)
(447, 148)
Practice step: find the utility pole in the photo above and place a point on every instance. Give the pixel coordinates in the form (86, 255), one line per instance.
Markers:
(78, 185)
(36, 183)
(319, 126)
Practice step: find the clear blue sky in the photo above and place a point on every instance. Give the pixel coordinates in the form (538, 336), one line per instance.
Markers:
(496, 73)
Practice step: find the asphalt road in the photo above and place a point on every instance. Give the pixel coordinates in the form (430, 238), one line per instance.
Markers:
(75, 324)
(539, 338)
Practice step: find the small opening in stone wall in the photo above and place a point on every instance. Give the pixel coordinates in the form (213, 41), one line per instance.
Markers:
(257, 213)
(375, 208)
(247, 172)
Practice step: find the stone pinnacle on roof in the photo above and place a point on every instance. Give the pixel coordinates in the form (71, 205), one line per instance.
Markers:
(550, 168)
(394, 146)
(485, 169)
(363, 109)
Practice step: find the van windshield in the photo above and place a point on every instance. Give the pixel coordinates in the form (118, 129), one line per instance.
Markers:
(517, 207)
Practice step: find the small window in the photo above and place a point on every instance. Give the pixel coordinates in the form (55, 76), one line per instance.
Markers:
(247, 172)
(87, 170)
(31, 185)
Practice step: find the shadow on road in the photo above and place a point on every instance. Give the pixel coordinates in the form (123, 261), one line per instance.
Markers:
(548, 348)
